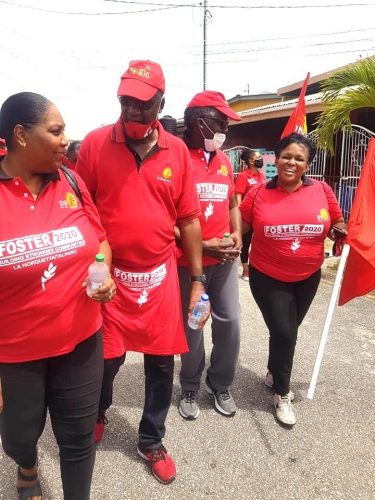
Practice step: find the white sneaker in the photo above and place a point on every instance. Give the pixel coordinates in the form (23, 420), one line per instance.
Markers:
(284, 409)
(268, 380)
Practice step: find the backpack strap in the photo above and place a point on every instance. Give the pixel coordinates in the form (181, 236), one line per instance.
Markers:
(71, 178)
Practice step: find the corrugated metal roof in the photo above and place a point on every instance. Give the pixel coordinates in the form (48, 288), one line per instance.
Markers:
(290, 104)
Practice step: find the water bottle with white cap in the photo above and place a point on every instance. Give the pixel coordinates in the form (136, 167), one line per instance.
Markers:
(198, 312)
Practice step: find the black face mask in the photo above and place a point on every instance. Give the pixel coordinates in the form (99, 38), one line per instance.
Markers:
(258, 163)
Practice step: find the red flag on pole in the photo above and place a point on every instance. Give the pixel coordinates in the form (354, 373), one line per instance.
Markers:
(359, 275)
(297, 120)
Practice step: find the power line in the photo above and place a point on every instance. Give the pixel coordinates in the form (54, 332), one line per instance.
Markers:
(338, 42)
(310, 35)
(293, 6)
(49, 11)
(163, 6)
(304, 55)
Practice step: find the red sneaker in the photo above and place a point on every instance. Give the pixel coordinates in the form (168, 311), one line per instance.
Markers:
(101, 421)
(162, 466)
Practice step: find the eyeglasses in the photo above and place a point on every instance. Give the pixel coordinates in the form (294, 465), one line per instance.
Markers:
(222, 123)
(128, 102)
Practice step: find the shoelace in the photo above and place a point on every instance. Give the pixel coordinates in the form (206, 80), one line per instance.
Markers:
(224, 395)
(157, 455)
(285, 404)
(189, 397)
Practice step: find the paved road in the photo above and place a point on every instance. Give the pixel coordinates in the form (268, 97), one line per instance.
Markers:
(328, 455)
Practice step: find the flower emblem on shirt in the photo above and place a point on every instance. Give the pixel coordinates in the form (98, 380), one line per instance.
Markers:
(323, 215)
(142, 299)
(48, 274)
(296, 244)
(222, 170)
(167, 173)
(71, 200)
(209, 211)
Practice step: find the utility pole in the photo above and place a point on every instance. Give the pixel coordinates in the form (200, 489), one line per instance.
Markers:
(247, 89)
(204, 42)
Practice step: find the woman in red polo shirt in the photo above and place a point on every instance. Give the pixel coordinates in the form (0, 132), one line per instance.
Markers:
(291, 215)
(50, 339)
(250, 177)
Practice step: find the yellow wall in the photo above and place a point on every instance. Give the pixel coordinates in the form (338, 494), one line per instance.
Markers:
(252, 103)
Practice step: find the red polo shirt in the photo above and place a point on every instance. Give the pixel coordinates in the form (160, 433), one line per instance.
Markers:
(139, 203)
(214, 185)
(246, 180)
(289, 228)
(46, 246)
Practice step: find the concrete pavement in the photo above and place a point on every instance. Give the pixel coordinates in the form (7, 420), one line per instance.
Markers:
(328, 455)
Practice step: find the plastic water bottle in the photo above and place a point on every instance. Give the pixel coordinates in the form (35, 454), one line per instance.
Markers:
(198, 312)
(98, 274)
(226, 237)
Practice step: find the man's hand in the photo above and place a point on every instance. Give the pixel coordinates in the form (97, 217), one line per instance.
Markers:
(223, 249)
(196, 291)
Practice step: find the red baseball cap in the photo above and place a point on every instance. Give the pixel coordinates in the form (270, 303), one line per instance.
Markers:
(213, 99)
(142, 80)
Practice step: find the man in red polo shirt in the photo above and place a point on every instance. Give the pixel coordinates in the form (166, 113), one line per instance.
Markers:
(141, 180)
(206, 122)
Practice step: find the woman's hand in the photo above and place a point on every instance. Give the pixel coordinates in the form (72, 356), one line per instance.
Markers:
(338, 231)
(105, 293)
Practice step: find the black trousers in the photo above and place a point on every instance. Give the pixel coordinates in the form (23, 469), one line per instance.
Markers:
(283, 306)
(69, 386)
(158, 395)
(246, 240)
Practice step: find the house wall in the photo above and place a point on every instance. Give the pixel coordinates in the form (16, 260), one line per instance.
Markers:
(261, 134)
(246, 104)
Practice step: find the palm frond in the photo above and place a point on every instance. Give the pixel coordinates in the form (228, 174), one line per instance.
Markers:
(351, 88)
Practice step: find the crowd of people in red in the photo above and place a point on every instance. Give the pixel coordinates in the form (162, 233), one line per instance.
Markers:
(166, 214)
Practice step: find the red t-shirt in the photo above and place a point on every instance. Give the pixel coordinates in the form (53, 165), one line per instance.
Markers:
(46, 246)
(68, 163)
(214, 185)
(289, 228)
(246, 180)
(139, 203)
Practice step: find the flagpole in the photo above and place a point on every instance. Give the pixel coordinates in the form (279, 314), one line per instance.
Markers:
(328, 320)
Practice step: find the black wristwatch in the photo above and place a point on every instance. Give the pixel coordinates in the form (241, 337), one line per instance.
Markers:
(202, 278)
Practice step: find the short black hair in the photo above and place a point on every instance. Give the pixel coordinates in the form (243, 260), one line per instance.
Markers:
(192, 114)
(73, 147)
(247, 154)
(296, 139)
(26, 109)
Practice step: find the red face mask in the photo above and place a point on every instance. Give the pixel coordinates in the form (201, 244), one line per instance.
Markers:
(137, 131)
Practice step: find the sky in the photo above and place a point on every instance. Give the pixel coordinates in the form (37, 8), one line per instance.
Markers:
(74, 51)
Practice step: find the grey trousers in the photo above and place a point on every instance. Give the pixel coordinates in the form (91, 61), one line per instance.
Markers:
(222, 288)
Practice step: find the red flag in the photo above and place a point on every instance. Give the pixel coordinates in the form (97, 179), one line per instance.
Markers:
(359, 275)
(297, 120)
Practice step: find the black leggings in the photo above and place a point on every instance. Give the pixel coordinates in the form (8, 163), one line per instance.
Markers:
(283, 306)
(246, 240)
(69, 386)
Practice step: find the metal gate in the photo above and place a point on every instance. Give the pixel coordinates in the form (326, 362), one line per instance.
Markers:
(234, 155)
(343, 170)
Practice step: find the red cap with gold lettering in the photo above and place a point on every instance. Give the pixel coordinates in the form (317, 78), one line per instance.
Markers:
(142, 80)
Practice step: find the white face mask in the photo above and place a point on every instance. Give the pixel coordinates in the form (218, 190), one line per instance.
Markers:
(215, 143)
